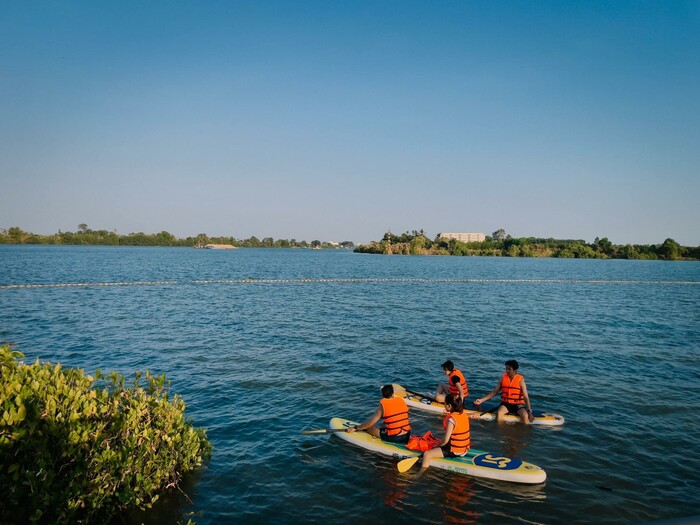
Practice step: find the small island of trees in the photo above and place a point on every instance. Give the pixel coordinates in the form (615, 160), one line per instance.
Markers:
(499, 244)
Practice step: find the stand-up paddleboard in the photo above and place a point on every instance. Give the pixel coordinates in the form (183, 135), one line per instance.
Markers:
(423, 402)
(474, 463)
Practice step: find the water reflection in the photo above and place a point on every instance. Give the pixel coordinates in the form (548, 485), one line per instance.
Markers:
(173, 506)
(395, 488)
(448, 493)
(519, 490)
(457, 495)
(513, 439)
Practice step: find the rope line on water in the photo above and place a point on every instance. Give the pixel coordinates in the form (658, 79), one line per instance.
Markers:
(365, 280)
(83, 285)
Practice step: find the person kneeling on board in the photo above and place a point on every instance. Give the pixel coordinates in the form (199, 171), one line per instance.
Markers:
(514, 396)
(394, 412)
(457, 439)
(456, 383)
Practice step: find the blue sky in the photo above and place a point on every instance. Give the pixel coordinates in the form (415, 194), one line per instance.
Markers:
(339, 120)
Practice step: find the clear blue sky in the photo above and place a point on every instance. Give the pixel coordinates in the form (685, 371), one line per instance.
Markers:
(338, 120)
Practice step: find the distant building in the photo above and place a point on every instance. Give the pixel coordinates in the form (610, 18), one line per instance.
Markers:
(464, 237)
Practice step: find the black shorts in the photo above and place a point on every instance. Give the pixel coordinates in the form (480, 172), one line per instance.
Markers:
(447, 453)
(513, 408)
(401, 438)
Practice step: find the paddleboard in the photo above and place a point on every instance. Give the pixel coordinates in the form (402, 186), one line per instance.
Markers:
(474, 463)
(426, 403)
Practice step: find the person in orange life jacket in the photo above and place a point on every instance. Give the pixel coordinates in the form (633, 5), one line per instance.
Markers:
(394, 412)
(457, 439)
(514, 397)
(456, 385)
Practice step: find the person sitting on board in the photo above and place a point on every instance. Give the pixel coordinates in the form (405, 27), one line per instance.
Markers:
(456, 383)
(394, 411)
(457, 439)
(514, 396)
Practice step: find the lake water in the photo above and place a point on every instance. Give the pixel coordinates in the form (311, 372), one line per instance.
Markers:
(291, 338)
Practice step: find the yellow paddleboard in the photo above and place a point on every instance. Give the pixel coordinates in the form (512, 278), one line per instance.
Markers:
(474, 463)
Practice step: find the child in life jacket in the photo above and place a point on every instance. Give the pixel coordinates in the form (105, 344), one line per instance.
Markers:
(394, 412)
(457, 439)
(456, 383)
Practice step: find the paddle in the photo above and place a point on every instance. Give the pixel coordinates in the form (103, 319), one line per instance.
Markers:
(419, 394)
(436, 401)
(406, 464)
(489, 411)
(324, 431)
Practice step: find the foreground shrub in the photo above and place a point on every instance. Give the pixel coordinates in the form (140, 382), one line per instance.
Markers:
(77, 448)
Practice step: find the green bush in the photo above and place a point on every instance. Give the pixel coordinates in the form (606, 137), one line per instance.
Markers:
(77, 448)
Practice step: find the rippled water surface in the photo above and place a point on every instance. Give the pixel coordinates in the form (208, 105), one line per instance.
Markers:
(292, 338)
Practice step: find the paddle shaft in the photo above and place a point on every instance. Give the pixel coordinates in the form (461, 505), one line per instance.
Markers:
(421, 395)
(324, 431)
(490, 410)
(436, 401)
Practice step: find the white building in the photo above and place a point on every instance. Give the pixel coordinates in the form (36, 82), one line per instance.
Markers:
(464, 237)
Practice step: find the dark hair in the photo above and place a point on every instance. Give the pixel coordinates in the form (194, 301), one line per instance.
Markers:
(455, 403)
(387, 391)
(512, 363)
(448, 365)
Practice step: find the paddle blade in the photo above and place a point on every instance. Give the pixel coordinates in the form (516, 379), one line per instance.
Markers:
(406, 464)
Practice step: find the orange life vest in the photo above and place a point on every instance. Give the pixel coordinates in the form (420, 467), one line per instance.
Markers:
(422, 443)
(453, 388)
(511, 391)
(460, 440)
(395, 415)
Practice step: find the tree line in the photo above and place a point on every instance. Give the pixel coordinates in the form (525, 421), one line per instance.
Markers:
(85, 236)
(499, 244)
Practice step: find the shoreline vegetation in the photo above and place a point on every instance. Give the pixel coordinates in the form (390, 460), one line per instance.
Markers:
(85, 236)
(85, 448)
(499, 244)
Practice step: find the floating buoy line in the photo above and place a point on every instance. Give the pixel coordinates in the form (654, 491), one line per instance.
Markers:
(367, 280)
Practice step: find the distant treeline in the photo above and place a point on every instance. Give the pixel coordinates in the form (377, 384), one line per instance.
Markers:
(86, 236)
(501, 245)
